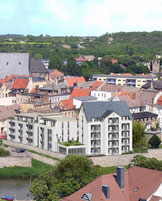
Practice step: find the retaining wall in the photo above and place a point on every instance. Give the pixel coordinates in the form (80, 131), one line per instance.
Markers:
(15, 161)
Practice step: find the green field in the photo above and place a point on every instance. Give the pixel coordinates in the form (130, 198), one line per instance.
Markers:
(37, 168)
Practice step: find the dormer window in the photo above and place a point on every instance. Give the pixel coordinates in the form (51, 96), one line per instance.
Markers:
(86, 196)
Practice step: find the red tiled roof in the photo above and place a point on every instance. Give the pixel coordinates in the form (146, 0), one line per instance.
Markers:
(114, 61)
(68, 103)
(138, 183)
(72, 80)
(20, 83)
(80, 92)
(81, 59)
(97, 83)
(56, 73)
(11, 77)
(33, 90)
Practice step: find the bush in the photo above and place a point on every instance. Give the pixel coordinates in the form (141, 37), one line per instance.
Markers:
(4, 152)
(154, 141)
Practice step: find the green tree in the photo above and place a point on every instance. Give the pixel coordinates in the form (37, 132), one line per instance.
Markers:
(71, 174)
(37, 56)
(139, 138)
(154, 141)
(56, 62)
(151, 163)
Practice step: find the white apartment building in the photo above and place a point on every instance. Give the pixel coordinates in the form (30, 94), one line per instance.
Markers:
(101, 95)
(42, 130)
(105, 127)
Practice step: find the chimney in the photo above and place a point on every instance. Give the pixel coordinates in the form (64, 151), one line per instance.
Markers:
(106, 191)
(120, 177)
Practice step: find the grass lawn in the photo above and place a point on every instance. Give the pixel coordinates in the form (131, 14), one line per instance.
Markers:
(37, 168)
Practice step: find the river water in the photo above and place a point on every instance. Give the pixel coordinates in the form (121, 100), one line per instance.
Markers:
(17, 187)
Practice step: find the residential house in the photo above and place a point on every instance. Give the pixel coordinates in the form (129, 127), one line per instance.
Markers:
(84, 58)
(101, 95)
(45, 131)
(149, 120)
(56, 76)
(68, 104)
(5, 113)
(52, 89)
(126, 79)
(73, 80)
(38, 69)
(77, 101)
(35, 83)
(105, 127)
(133, 184)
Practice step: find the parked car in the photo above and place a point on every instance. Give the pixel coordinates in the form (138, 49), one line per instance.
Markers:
(20, 150)
(7, 198)
(14, 150)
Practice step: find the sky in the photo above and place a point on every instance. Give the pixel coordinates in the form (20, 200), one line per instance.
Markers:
(79, 17)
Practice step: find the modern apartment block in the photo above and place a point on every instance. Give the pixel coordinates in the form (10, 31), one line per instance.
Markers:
(42, 130)
(105, 127)
(125, 79)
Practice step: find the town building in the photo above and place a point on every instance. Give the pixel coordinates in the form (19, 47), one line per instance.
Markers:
(14, 62)
(45, 131)
(126, 79)
(105, 127)
(134, 184)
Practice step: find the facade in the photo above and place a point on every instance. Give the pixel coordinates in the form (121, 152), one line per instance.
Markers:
(14, 62)
(42, 130)
(77, 101)
(105, 127)
(156, 66)
(101, 95)
(38, 69)
(149, 119)
(125, 79)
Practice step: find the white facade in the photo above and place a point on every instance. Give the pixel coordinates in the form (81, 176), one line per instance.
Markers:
(111, 135)
(77, 102)
(55, 99)
(101, 95)
(8, 101)
(42, 130)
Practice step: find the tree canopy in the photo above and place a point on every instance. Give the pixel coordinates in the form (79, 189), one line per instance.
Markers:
(71, 174)
(139, 138)
(154, 141)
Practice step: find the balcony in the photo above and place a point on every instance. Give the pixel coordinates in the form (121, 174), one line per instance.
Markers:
(113, 145)
(95, 137)
(113, 136)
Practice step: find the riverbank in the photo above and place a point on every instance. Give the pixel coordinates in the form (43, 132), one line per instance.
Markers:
(17, 172)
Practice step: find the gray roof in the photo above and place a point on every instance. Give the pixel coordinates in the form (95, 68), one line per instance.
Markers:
(37, 67)
(14, 63)
(155, 84)
(142, 115)
(101, 109)
(85, 98)
(38, 79)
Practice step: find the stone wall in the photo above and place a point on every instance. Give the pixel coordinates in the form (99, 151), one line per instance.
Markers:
(107, 161)
(15, 161)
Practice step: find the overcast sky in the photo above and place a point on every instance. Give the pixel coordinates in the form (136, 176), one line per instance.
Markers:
(79, 17)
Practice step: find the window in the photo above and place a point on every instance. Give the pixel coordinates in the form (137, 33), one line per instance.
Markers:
(6, 63)
(19, 63)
